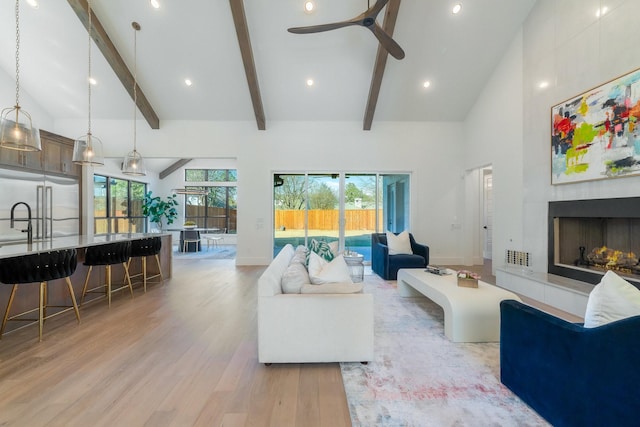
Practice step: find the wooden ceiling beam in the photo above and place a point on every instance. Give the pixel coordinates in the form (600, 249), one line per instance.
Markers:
(242, 30)
(389, 24)
(110, 53)
(174, 167)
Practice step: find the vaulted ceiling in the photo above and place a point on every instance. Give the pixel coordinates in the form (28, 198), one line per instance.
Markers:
(202, 40)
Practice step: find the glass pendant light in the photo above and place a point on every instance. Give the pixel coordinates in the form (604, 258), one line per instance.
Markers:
(133, 162)
(87, 150)
(17, 131)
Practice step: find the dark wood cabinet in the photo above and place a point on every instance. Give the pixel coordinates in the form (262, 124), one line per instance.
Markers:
(55, 158)
(21, 159)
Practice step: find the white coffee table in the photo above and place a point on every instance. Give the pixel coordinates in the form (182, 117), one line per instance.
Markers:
(470, 314)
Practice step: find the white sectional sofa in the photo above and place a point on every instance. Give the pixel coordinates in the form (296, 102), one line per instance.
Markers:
(313, 327)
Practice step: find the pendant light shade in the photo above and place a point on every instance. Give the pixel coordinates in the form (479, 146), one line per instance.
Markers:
(133, 163)
(87, 150)
(17, 131)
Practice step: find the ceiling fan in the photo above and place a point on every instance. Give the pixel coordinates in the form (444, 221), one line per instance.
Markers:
(366, 19)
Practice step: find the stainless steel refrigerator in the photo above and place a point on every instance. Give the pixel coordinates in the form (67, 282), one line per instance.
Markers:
(54, 203)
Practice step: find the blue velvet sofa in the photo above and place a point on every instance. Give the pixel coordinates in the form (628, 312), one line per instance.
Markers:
(387, 266)
(571, 375)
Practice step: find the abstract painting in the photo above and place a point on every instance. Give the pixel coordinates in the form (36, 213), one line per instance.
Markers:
(595, 135)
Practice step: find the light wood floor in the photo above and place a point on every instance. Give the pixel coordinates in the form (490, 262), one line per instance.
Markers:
(183, 354)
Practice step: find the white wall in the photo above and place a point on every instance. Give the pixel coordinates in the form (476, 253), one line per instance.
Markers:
(430, 152)
(568, 46)
(39, 116)
(565, 44)
(493, 136)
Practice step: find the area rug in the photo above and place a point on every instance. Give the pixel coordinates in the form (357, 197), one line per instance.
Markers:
(219, 252)
(420, 378)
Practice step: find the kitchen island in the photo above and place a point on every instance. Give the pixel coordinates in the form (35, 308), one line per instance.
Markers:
(27, 295)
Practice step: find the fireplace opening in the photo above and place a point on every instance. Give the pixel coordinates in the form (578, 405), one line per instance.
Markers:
(589, 237)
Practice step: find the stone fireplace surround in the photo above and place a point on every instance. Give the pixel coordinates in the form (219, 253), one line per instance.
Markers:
(578, 228)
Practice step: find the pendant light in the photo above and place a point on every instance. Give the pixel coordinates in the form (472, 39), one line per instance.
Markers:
(17, 131)
(133, 162)
(87, 150)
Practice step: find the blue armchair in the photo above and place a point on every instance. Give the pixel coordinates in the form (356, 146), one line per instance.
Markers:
(387, 266)
(571, 375)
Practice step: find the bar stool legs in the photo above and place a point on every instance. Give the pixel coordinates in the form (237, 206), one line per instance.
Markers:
(107, 255)
(142, 249)
(39, 268)
(144, 275)
(107, 285)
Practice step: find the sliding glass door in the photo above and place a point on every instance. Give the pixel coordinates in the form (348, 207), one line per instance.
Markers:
(343, 207)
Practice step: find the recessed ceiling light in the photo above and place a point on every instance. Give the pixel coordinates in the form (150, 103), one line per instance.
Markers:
(309, 82)
(188, 82)
(33, 3)
(600, 12)
(457, 8)
(93, 81)
(426, 84)
(309, 6)
(543, 84)
(155, 4)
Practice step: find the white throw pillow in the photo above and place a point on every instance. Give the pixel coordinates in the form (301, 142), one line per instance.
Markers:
(612, 299)
(399, 244)
(334, 271)
(294, 277)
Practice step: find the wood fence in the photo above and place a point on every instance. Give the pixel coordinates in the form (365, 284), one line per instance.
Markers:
(319, 219)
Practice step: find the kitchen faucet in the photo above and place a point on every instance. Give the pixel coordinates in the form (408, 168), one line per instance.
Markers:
(29, 229)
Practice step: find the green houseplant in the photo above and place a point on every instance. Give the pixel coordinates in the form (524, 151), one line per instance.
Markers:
(156, 209)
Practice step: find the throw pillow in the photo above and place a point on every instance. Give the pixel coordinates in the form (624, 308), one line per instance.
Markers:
(294, 277)
(399, 244)
(300, 255)
(321, 248)
(333, 288)
(334, 271)
(612, 299)
(335, 248)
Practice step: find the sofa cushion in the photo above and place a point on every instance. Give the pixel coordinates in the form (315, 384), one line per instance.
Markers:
(294, 277)
(334, 271)
(321, 248)
(333, 288)
(400, 244)
(612, 299)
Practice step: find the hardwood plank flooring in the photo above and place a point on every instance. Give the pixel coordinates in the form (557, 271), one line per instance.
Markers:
(183, 354)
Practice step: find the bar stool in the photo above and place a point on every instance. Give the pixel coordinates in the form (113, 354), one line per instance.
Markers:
(143, 248)
(41, 267)
(108, 254)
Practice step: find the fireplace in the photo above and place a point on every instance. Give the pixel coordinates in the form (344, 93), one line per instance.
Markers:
(589, 237)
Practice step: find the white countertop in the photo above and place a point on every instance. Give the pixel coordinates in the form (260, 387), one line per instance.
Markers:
(14, 249)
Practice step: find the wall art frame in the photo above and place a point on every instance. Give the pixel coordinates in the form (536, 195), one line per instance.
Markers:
(596, 135)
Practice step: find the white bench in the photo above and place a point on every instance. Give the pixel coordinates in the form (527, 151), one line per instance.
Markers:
(470, 314)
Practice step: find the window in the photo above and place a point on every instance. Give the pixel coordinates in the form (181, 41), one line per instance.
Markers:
(117, 205)
(346, 207)
(211, 175)
(218, 208)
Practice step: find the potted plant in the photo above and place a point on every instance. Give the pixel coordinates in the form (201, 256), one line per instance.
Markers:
(156, 209)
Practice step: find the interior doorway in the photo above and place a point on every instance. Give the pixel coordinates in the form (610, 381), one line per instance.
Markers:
(487, 213)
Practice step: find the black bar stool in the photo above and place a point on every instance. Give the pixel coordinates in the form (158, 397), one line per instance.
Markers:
(108, 254)
(41, 267)
(143, 248)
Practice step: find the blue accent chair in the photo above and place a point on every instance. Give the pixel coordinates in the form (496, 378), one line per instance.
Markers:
(387, 266)
(571, 375)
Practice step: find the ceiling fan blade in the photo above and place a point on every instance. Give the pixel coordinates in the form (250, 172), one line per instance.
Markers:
(387, 42)
(376, 8)
(322, 27)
